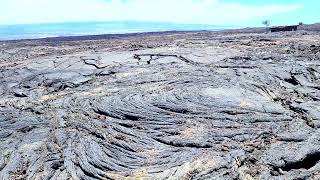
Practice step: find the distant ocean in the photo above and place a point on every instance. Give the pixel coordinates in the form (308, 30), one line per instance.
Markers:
(33, 31)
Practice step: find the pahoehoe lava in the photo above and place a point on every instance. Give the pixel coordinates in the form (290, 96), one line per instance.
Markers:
(197, 105)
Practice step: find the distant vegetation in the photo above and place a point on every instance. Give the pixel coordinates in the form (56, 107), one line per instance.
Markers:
(267, 24)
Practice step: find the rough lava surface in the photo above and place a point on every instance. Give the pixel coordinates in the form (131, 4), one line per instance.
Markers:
(197, 105)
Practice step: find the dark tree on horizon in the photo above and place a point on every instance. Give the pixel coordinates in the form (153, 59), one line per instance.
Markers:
(267, 24)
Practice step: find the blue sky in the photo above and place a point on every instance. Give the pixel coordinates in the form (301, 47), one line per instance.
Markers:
(214, 12)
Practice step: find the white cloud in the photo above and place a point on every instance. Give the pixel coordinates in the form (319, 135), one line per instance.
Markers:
(183, 11)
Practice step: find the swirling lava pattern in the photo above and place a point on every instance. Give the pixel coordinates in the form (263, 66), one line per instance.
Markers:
(169, 127)
(183, 114)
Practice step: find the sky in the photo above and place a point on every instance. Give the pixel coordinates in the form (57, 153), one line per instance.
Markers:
(213, 12)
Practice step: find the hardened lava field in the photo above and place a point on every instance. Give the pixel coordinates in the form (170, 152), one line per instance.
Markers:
(192, 105)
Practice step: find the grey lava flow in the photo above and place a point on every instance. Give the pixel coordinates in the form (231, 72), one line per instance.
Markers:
(183, 105)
